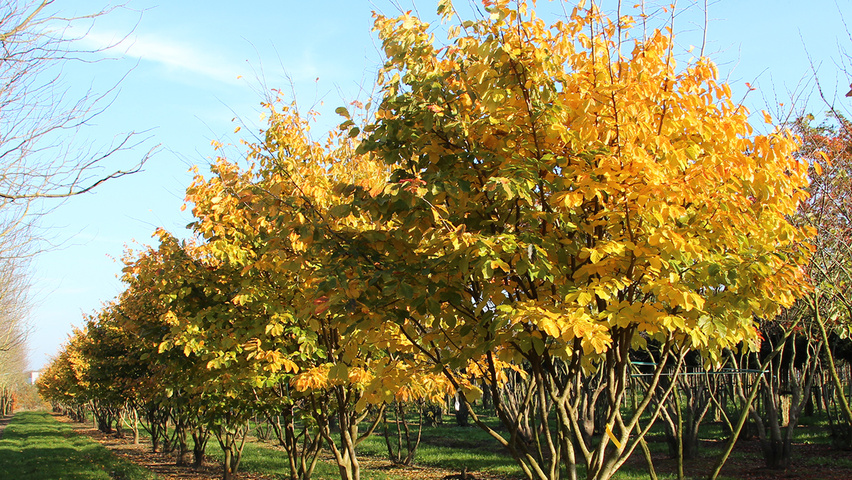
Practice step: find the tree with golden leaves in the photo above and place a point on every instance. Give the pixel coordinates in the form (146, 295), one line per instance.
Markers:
(275, 223)
(565, 194)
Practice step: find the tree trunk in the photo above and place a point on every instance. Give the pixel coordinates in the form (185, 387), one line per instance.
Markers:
(200, 435)
(228, 469)
(232, 438)
(776, 453)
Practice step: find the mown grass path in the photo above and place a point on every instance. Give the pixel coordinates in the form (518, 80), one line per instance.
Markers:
(35, 446)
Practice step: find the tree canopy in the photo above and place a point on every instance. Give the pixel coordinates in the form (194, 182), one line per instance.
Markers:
(528, 206)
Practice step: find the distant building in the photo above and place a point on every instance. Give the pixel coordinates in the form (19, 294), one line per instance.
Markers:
(33, 376)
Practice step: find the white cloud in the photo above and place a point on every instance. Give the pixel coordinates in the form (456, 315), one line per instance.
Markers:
(169, 53)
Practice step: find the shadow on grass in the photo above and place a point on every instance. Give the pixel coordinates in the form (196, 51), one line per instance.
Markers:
(35, 446)
(453, 448)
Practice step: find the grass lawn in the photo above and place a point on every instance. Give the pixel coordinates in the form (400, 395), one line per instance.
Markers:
(35, 446)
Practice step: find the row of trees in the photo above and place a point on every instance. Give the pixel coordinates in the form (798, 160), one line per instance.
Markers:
(532, 209)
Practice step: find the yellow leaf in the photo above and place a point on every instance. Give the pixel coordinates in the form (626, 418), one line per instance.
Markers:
(612, 436)
(595, 256)
(471, 392)
(549, 327)
(500, 264)
(251, 345)
(600, 343)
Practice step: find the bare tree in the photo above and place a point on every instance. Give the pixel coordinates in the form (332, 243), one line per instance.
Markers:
(14, 303)
(43, 152)
(39, 118)
(14, 309)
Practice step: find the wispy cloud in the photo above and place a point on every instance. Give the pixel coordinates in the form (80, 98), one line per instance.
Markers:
(170, 53)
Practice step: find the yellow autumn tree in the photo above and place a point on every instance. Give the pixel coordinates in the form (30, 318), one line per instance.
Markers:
(285, 225)
(62, 381)
(562, 195)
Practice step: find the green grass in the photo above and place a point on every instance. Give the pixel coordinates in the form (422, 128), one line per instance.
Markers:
(36, 446)
(453, 448)
(264, 458)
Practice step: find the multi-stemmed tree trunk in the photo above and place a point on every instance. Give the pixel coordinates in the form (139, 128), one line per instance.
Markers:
(298, 432)
(182, 426)
(157, 425)
(230, 431)
(105, 416)
(200, 436)
(786, 387)
(404, 448)
(344, 399)
(129, 417)
(590, 409)
(683, 412)
(842, 429)
(550, 402)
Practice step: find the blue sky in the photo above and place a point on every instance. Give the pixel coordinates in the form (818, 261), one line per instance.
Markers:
(192, 67)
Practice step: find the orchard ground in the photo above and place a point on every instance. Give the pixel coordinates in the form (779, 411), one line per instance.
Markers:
(34, 439)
